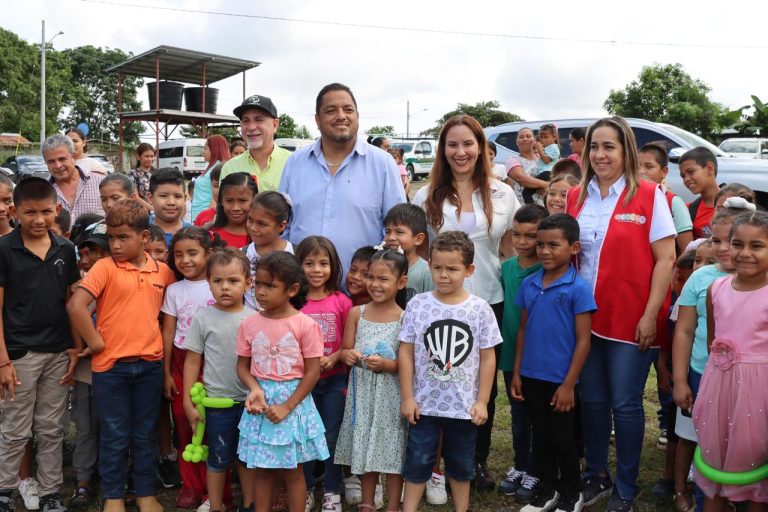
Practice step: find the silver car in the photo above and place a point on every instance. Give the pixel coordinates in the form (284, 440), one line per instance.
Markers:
(752, 173)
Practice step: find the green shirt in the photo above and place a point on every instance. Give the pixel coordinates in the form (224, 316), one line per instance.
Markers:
(269, 178)
(512, 275)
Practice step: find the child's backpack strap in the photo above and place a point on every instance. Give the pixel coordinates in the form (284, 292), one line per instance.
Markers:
(693, 207)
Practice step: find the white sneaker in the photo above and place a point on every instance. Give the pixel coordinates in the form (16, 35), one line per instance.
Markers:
(331, 502)
(310, 501)
(378, 497)
(30, 493)
(204, 506)
(436, 494)
(353, 492)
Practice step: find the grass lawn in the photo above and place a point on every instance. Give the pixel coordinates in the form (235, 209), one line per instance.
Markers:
(501, 458)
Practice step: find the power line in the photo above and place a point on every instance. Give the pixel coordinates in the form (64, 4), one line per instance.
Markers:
(432, 31)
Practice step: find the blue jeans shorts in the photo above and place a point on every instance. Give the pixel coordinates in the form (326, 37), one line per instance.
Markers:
(458, 451)
(223, 435)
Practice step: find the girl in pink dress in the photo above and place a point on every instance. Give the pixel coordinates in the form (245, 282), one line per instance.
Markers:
(731, 411)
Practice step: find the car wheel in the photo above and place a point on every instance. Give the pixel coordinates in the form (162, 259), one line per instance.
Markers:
(411, 173)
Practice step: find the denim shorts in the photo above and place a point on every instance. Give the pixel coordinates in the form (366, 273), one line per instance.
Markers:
(223, 435)
(458, 448)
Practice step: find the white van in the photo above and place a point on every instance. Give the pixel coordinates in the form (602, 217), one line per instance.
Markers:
(185, 155)
(293, 144)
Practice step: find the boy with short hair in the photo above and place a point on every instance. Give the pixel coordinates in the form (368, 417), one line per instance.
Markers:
(167, 196)
(405, 227)
(698, 169)
(63, 224)
(447, 364)
(127, 352)
(552, 346)
(525, 224)
(38, 351)
(566, 166)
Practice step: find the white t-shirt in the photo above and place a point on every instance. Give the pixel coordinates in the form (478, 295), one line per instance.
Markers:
(182, 300)
(447, 340)
(486, 281)
(499, 171)
(253, 258)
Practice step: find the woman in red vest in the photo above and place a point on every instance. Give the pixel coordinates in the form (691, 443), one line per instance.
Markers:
(628, 255)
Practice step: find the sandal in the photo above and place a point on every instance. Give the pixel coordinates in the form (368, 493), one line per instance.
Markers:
(683, 502)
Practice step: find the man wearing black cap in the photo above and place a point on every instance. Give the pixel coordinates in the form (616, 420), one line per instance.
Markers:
(264, 160)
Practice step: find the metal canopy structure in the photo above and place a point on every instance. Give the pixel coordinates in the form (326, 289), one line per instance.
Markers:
(179, 65)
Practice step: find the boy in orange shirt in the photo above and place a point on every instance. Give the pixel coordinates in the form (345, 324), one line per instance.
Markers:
(127, 350)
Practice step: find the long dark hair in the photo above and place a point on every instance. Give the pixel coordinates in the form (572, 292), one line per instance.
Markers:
(284, 267)
(442, 187)
(199, 235)
(237, 179)
(319, 245)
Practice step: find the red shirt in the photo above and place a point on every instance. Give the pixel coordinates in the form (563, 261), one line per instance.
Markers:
(701, 224)
(232, 239)
(205, 216)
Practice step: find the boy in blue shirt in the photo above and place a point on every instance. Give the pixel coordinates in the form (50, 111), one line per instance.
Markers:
(552, 346)
(525, 224)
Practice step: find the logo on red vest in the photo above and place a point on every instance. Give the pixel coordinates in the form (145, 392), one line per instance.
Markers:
(630, 217)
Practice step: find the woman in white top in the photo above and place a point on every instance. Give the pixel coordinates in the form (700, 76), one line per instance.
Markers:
(462, 195)
(522, 169)
(86, 163)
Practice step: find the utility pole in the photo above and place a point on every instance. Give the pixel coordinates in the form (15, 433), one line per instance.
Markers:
(407, 119)
(42, 86)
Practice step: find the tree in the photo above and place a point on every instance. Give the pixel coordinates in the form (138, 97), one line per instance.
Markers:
(667, 94)
(94, 93)
(290, 130)
(487, 114)
(229, 132)
(20, 87)
(381, 130)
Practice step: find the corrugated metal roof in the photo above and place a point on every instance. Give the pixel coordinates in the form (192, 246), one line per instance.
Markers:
(13, 139)
(182, 65)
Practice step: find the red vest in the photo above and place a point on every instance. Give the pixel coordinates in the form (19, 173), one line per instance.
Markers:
(625, 264)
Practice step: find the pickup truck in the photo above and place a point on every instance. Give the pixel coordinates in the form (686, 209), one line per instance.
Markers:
(752, 173)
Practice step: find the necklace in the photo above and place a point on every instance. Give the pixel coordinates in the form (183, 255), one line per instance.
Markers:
(330, 164)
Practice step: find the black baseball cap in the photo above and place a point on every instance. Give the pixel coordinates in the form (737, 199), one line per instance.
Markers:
(255, 101)
(95, 234)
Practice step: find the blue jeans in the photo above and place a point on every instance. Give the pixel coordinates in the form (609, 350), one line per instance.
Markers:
(128, 400)
(521, 430)
(459, 438)
(223, 435)
(665, 399)
(612, 383)
(329, 396)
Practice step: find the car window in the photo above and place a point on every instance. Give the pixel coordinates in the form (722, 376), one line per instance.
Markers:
(195, 151)
(694, 140)
(407, 148)
(172, 152)
(735, 146)
(644, 136)
(508, 140)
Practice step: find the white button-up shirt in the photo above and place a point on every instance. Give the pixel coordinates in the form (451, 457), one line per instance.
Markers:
(486, 281)
(596, 215)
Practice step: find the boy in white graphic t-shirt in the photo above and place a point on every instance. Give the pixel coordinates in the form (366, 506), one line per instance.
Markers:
(447, 365)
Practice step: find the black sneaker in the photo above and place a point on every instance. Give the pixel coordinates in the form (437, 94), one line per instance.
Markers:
(52, 503)
(484, 480)
(168, 470)
(570, 502)
(618, 504)
(596, 488)
(83, 497)
(511, 482)
(7, 503)
(527, 490)
(545, 501)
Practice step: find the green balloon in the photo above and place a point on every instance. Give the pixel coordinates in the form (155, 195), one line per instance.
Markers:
(727, 478)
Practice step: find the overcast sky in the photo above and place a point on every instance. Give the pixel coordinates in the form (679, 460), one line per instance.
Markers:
(559, 76)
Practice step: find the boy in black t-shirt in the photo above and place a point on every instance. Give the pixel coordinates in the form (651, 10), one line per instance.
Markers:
(37, 353)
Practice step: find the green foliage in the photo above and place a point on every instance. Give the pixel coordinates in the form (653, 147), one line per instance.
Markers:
(667, 94)
(93, 94)
(487, 114)
(20, 86)
(290, 130)
(381, 130)
(229, 132)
